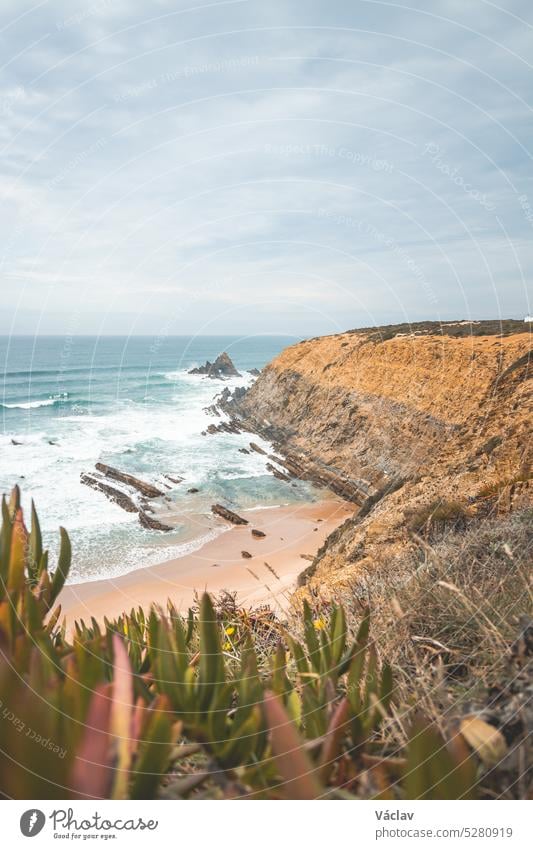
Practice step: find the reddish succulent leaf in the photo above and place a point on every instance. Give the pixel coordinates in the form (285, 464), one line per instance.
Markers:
(92, 774)
(19, 547)
(299, 776)
(333, 741)
(121, 716)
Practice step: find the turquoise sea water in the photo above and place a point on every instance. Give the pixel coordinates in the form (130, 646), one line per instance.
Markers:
(74, 401)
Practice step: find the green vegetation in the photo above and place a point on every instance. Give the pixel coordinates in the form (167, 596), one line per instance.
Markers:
(456, 329)
(224, 703)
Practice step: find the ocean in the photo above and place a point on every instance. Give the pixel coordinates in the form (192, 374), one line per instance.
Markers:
(129, 402)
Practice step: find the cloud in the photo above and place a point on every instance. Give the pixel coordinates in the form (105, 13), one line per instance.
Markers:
(297, 165)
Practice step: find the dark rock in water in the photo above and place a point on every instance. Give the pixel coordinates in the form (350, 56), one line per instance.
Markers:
(193, 489)
(246, 554)
(115, 495)
(146, 489)
(276, 472)
(229, 515)
(202, 369)
(14, 442)
(256, 448)
(258, 534)
(232, 426)
(254, 371)
(153, 524)
(223, 398)
(243, 451)
(221, 368)
(173, 479)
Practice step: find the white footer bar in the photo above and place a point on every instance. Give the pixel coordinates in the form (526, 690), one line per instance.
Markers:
(267, 825)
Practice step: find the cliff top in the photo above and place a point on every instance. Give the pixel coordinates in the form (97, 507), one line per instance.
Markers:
(457, 329)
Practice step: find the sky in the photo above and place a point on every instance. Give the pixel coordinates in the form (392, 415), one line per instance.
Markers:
(247, 167)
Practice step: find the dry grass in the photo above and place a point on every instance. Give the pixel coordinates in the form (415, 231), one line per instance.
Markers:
(439, 515)
(445, 616)
(459, 600)
(495, 488)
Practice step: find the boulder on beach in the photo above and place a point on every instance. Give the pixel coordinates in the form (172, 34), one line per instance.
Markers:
(222, 368)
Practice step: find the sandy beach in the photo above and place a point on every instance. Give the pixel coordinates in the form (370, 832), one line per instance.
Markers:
(293, 535)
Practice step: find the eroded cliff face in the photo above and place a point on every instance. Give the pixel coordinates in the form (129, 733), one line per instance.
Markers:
(407, 422)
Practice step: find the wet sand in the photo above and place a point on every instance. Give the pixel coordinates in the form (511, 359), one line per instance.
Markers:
(219, 565)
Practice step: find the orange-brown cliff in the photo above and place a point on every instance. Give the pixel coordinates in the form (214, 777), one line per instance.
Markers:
(403, 420)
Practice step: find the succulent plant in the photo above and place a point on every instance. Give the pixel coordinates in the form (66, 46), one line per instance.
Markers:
(154, 704)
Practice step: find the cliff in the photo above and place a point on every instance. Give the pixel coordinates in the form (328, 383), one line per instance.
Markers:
(420, 427)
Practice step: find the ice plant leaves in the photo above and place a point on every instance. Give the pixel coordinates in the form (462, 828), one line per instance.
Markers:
(211, 673)
(19, 546)
(299, 775)
(63, 566)
(434, 769)
(284, 717)
(121, 717)
(92, 773)
(157, 739)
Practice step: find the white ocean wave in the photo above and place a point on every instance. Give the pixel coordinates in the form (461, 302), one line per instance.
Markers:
(143, 557)
(30, 405)
(155, 429)
(34, 405)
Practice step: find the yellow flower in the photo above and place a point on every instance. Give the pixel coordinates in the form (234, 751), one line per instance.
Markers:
(229, 631)
(319, 624)
(226, 646)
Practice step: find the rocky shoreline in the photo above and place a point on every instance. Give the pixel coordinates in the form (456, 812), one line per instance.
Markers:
(287, 463)
(413, 429)
(421, 430)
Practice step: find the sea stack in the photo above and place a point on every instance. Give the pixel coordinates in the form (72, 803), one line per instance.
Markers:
(222, 368)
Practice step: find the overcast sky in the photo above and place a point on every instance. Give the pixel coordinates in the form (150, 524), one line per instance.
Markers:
(290, 166)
